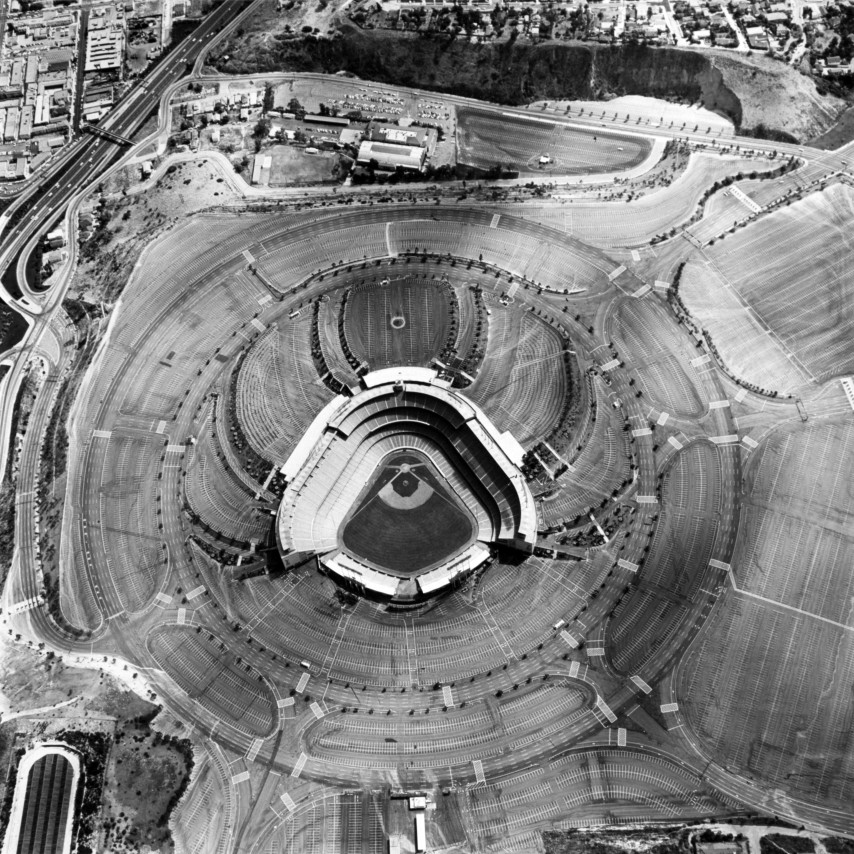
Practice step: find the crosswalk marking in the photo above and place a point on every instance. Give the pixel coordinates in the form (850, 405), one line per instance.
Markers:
(701, 360)
(719, 564)
(616, 272)
(570, 639)
(447, 695)
(627, 564)
(641, 431)
(242, 777)
(574, 667)
(729, 439)
(605, 709)
(675, 442)
(303, 681)
(670, 707)
(609, 366)
(621, 737)
(196, 591)
(478, 771)
(663, 418)
(288, 801)
(300, 765)
(254, 748)
(718, 404)
(641, 684)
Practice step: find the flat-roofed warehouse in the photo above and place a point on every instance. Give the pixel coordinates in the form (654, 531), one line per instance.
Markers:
(415, 136)
(391, 156)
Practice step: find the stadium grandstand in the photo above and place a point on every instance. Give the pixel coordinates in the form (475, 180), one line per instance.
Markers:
(377, 474)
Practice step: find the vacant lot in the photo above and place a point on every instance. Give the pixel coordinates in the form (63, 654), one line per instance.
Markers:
(292, 166)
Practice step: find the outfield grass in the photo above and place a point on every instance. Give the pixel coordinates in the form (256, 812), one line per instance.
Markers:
(406, 540)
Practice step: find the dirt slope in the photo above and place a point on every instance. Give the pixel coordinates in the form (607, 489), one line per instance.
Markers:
(753, 91)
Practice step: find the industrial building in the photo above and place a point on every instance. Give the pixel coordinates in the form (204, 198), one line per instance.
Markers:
(413, 136)
(389, 157)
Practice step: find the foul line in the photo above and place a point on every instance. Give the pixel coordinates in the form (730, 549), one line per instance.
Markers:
(787, 607)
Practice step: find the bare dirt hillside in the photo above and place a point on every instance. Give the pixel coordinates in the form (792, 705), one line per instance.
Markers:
(760, 95)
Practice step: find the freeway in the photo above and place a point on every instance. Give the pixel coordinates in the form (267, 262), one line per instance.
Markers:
(35, 210)
(89, 157)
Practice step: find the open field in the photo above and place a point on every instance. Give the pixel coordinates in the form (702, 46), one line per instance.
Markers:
(292, 167)
(516, 142)
(791, 269)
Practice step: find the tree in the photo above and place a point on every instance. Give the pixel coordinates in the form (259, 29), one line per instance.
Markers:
(261, 129)
(269, 97)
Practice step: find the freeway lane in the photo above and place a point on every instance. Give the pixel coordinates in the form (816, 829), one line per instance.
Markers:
(37, 210)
